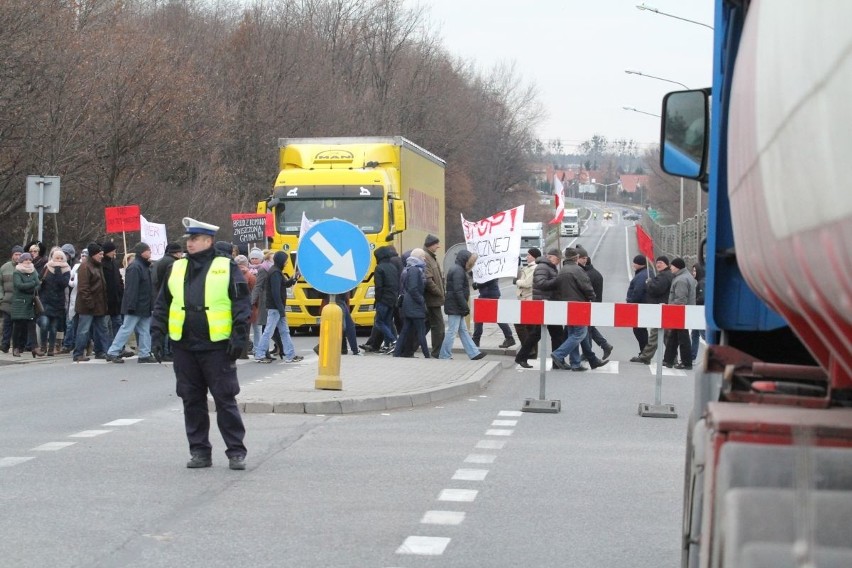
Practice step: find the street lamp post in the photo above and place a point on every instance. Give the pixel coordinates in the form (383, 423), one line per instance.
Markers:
(654, 10)
(641, 111)
(606, 187)
(631, 72)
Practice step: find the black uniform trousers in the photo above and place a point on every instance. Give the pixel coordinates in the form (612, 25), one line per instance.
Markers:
(196, 373)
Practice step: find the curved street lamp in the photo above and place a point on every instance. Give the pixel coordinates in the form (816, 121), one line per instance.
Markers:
(641, 111)
(630, 72)
(654, 10)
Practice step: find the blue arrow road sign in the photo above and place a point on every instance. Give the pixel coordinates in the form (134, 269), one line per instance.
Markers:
(334, 256)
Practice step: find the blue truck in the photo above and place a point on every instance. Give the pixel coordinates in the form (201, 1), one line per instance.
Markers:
(768, 476)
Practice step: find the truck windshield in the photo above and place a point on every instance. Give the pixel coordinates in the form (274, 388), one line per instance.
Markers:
(527, 242)
(569, 219)
(364, 213)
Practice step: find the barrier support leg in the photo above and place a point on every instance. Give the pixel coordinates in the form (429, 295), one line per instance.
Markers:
(658, 409)
(541, 404)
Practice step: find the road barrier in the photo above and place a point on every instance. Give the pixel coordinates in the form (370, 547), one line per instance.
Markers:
(600, 314)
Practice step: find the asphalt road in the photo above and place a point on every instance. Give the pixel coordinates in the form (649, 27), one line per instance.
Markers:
(471, 482)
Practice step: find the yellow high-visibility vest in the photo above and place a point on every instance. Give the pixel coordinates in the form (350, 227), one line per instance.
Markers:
(217, 304)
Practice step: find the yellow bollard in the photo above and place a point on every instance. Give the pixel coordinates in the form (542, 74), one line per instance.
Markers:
(331, 334)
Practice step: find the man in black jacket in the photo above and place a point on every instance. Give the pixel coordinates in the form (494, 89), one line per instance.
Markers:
(206, 341)
(597, 280)
(115, 294)
(386, 292)
(456, 307)
(544, 284)
(636, 295)
(136, 308)
(276, 314)
(656, 292)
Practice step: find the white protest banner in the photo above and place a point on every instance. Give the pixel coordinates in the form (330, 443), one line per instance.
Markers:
(154, 235)
(497, 241)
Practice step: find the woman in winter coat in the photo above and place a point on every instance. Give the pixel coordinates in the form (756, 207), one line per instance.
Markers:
(54, 281)
(25, 283)
(413, 309)
(38, 251)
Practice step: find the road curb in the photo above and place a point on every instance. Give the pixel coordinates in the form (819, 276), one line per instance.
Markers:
(476, 382)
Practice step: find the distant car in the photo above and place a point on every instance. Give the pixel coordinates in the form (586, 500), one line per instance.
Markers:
(632, 216)
(607, 215)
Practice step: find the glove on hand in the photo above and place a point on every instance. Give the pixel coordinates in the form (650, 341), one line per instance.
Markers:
(238, 341)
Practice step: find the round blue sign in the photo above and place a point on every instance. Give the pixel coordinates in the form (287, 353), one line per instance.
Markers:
(334, 256)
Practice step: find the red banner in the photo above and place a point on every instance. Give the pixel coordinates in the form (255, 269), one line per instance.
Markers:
(646, 244)
(122, 219)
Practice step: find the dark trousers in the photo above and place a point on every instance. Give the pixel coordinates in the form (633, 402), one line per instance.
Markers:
(416, 327)
(504, 327)
(586, 349)
(196, 373)
(641, 335)
(557, 336)
(24, 335)
(7, 331)
(678, 339)
(435, 324)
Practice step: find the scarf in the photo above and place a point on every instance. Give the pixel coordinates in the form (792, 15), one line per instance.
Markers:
(20, 267)
(51, 264)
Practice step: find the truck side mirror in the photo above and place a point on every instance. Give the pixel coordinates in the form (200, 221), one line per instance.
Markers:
(685, 123)
(398, 219)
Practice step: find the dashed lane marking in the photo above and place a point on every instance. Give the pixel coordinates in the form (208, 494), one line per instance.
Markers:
(123, 422)
(504, 423)
(443, 518)
(666, 371)
(510, 413)
(52, 446)
(458, 495)
(11, 461)
(470, 474)
(498, 432)
(89, 433)
(424, 545)
(490, 445)
(480, 458)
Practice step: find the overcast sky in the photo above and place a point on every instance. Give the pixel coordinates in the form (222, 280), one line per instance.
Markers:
(576, 52)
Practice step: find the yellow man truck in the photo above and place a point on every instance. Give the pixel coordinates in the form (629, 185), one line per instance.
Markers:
(389, 187)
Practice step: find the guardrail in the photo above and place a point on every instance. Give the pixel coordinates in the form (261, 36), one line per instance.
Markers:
(667, 238)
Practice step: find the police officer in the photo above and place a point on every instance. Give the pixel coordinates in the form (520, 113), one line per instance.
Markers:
(204, 308)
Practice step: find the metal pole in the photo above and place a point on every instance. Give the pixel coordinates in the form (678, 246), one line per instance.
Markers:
(680, 223)
(697, 221)
(542, 358)
(40, 209)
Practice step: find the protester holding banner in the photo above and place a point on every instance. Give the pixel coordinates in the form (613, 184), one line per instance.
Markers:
(456, 307)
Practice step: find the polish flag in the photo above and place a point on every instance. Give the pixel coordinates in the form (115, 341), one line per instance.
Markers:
(558, 200)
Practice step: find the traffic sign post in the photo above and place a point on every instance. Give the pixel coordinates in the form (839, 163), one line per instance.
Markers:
(334, 257)
(42, 194)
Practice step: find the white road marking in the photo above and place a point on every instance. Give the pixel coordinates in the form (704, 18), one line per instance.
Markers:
(470, 474)
(490, 445)
(424, 545)
(52, 446)
(458, 495)
(610, 368)
(510, 413)
(443, 518)
(123, 422)
(666, 371)
(480, 458)
(89, 433)
(9, 462)
(498, 432)
(504, 423)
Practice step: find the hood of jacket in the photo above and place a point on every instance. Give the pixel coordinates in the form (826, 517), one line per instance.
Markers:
(279, 259)
(462, 257)
(414, 261)
(382, 254)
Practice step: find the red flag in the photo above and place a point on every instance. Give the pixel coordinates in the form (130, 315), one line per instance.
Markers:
(558, 200)
(646, 244)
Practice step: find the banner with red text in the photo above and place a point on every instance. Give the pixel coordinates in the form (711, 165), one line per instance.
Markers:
(154, 235)
(497, 241)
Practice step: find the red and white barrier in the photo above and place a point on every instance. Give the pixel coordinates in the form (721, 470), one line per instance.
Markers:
(601, 314)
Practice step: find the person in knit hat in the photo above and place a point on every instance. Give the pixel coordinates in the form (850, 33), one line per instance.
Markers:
(597, 280)
(524, 286)
(656, 292)
(682, 293)
(91, 305)
(435, 294)
(572, 285)
(6, 292)
(70, 253)
(115, 293)
(636, 295)
(54, 283)
(136, 307)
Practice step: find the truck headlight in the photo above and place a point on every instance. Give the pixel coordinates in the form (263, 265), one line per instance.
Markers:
(371, 293)
(290, 294)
